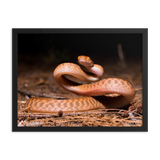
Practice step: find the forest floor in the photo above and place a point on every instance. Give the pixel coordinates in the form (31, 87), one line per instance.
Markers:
(37, 81)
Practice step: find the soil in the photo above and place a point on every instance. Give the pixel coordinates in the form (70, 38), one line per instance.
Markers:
(37, 80)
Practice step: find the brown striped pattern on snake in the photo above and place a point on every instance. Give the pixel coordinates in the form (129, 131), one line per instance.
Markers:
(98, 90)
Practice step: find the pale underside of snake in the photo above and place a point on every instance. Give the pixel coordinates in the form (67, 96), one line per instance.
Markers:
(97, 94)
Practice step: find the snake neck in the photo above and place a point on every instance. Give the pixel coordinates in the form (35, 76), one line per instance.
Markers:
(97, 70)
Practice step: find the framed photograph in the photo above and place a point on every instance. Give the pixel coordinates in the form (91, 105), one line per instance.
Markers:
(80, 79)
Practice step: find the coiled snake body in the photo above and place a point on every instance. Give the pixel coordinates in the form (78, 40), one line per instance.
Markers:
(96, 94)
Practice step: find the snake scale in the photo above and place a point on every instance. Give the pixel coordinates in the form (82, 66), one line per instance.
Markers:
(106, 93)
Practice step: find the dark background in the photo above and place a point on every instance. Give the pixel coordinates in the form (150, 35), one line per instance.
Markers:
(57, 48)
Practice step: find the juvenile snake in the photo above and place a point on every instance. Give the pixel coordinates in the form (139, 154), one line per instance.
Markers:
(96, 94)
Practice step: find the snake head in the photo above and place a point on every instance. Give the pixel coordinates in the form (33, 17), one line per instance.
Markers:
(85, 61)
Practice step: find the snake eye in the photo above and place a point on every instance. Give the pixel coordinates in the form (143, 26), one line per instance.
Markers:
(88, 59)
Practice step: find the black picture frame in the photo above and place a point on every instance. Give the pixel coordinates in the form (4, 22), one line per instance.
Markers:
(13, 36)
